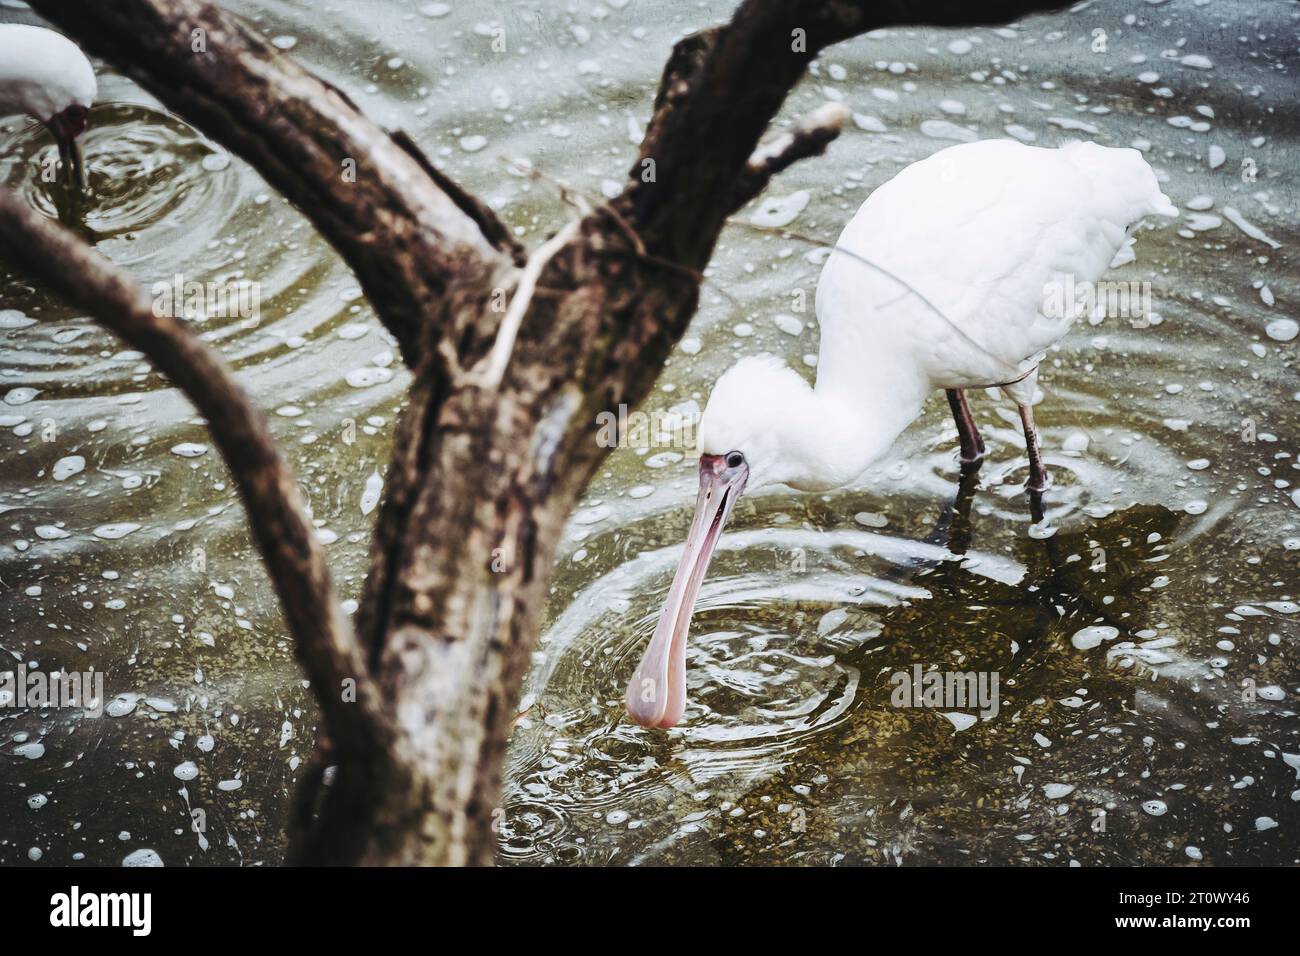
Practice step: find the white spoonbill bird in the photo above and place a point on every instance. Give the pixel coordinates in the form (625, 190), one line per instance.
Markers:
(943, 280)
(44, 75)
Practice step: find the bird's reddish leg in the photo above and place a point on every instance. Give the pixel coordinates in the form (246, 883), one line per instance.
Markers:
(972, 445)
(1038, 477)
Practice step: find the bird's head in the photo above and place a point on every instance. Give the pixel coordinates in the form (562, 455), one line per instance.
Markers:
(46, 76)
(744, 443)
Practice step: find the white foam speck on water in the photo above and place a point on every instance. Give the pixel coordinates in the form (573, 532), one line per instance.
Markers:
(1197, 62)
(641, 491)
(953, 107)
(1217, 157)
(1282, 330)
(960, 47)
(1198, 464)
(13, 319)
(1089, 637)
(472, 144)
(1249, 228)
(1022, 133)
(111, 532)
(788, 323)
(1265, 823)
(228, 785)
(48, 532)
(961, 721)
(20, 396)
(215, 162)
(284, 42)
(185, 771)
(616, 817)
(32, 751)
(1076, 441)
(122, 704)
(142, 857)
(370, 495)
(869, 123)
(1271, 692)
(205, 743)
(870, 519)
(37, 800)
(947, 130)
(1156, 808)
(1055, 791)
(1195, 507)
(435, 9)
(1073, 125)
(367, 376)
(779, 211)
(189, 449)
(1193, 853)
(68, 466)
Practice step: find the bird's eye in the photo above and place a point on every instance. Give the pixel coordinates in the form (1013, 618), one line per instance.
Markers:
(735, 459)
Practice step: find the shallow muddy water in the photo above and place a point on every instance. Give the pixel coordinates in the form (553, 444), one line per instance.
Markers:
(1144, 634)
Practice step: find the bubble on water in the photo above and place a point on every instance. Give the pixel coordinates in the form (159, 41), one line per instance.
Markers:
(960, 47)
(367, 376)
(616, 817)
(788, 323)
(111, 532)
(187, 770)
(777, 211)
(869, 123)
(1054, 791)
(284, 42)
(34, 854)
(1089, 637)
(1282, 330)
(1197, 62)
(205, 743)
(142, 857)
(1157, 808)
(32, 751)
(66, 467)
(229, 785)
(370, 494)
(946, 130)
(961, 721)
(473, 143)
(48, 532)
(215, 162)
(1265, 823)
(20, 396)
(13, 319)
(1193, 853)
(37, 800)
(189, 449)
(1271, 692)
(1195, 507)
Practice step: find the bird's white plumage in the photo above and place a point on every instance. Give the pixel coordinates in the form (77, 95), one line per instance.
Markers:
(979, 230)
(938, 281)
(42, 73)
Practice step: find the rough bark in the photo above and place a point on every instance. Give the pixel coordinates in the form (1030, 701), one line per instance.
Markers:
(404, 228)
(484, 473)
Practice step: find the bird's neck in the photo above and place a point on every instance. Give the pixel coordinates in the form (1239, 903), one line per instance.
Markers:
(855, 419)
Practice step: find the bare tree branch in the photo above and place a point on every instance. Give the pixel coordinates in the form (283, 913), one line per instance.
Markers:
(367, 192)
(277, 516)
(721, 88)
(809, 138)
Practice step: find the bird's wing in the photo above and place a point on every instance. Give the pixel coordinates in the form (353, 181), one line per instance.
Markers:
(979, 232)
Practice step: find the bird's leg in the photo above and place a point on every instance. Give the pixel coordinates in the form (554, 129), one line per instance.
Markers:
(1038, 477)
(972, 445)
